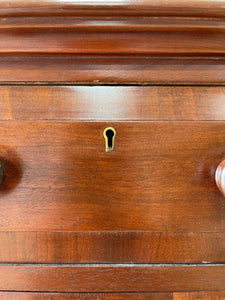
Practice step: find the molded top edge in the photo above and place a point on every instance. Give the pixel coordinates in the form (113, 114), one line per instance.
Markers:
(177, 8)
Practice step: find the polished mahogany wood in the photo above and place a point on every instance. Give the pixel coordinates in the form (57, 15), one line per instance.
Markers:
(115, 24)
(84, 296)
(135, 42)
(112, 296)
(112, 278)
(77, 221)
(112, 247)
(112, 38)
(199, 296)
(112, 71)
(160, 178)
(191, 8)
(112, 103)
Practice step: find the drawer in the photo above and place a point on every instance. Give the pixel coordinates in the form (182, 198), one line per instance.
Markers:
(59, 177)
(160, 177)
(87, 296)
(66, 200)
(112, 296)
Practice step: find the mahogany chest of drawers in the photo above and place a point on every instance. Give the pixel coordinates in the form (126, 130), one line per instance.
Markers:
(112, 149)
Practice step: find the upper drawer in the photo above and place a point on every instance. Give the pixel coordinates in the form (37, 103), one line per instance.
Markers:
(155, 103)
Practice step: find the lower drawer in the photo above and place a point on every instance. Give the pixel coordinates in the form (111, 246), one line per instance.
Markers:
(112, 278)
(87, 296)
(114, 296)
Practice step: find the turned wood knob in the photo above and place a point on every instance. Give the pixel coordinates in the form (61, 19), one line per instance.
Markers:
(2, 173)
(220, 177)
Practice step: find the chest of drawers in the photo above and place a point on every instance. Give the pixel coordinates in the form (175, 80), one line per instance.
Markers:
(112, 130)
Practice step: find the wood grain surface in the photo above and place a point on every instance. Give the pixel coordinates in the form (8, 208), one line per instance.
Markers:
(199, 296)
(85, 296)
(77, 222)
(160, 178)
(156, 103)
(100, 71)
(112, 296)
(112, 247)
(112, 278)
(112, 71)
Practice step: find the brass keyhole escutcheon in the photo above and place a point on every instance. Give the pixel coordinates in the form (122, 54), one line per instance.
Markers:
(109, 135)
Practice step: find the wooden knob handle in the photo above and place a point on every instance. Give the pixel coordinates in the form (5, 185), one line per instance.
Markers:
(2, 173)
(220, 177)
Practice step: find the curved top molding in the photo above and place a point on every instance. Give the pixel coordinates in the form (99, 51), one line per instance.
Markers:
(173, 8)
(114, 41)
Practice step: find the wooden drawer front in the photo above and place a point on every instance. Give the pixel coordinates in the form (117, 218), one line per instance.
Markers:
(112, 296)
(160, 178)
(65, 200)
(86, 296)
(112, 278)
(152, 103)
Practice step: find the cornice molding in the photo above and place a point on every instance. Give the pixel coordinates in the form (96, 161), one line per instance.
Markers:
(112, 37)
(178, 8)
(150, 33)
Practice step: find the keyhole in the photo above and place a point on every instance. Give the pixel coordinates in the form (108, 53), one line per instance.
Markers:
(109, 135)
